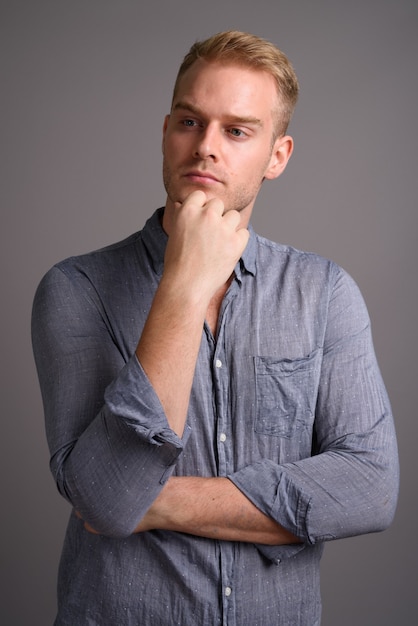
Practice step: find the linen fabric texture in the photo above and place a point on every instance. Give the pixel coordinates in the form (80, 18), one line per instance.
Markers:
(287, 402)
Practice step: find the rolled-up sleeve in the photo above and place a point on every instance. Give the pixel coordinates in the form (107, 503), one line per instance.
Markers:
(349, 485)
(110, 444)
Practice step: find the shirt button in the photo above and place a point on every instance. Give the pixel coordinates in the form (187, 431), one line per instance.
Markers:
(228, 591)
(218, 363)
(222, 437)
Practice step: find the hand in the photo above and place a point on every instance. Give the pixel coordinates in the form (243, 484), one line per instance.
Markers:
(204, 244)
(86, 524)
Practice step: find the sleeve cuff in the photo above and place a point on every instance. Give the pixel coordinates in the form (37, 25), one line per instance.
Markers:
(132, 398)
(277, 554)
(266, 485)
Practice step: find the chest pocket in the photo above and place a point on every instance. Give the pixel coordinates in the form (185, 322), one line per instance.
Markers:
(286, 393)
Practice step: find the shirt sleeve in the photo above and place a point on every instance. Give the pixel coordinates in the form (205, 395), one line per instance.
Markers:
(110, 443)
(349, 485)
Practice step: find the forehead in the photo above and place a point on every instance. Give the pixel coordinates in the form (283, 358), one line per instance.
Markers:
(236, 88)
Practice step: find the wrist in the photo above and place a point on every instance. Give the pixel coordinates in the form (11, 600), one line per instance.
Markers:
(181, 294)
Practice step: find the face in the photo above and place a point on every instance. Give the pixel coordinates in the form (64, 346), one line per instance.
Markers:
(219, 136)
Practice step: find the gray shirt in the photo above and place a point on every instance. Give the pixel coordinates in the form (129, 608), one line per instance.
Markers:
(287, 402)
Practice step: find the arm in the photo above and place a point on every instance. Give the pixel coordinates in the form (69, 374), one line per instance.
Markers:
(203, 248)
(349, 485)
(213, 508)
(111, 442)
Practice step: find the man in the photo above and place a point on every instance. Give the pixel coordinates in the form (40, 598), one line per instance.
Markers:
(214, 408)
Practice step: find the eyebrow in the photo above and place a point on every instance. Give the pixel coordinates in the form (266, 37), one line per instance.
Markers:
(236, 119)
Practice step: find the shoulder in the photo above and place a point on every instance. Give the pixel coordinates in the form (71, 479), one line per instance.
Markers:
(117, 261)
(277, 255)
(101, 259)
(306, 273)
(84, 274)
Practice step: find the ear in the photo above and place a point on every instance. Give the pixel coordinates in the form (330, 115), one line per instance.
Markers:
(280, 155)
(166, 120)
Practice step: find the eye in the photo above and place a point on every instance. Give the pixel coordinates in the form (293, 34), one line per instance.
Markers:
(188, 123)
(237, 132)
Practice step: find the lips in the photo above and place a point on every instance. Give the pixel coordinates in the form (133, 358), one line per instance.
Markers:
(201, 177)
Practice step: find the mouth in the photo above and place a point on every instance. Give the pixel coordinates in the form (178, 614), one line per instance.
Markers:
(201, 177)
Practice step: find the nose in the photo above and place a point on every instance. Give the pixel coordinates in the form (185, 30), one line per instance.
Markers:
(208, 144)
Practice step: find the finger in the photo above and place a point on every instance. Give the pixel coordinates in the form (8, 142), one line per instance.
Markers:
(86, 524)
(90, 529)
(233, 218)
(197, 198)
(244, 235)
(216, 205)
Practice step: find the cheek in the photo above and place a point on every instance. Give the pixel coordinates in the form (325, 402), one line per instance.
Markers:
(250, 169)
(173, 149)
(169, 157)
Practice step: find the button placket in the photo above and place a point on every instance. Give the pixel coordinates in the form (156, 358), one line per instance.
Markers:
(221, 379)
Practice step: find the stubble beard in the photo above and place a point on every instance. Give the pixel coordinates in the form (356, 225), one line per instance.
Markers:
(239, 200)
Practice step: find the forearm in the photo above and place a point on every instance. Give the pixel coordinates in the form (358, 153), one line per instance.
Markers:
(168, 348)
(212, 508)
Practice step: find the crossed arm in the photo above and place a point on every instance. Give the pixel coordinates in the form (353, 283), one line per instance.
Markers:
(212, 508)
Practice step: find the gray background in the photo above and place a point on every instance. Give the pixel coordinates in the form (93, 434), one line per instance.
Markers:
(85, 86)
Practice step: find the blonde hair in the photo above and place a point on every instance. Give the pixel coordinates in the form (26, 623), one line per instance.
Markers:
(250, 51)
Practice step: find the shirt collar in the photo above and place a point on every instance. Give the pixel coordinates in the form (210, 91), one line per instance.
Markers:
(248, 259)
(155, 241)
